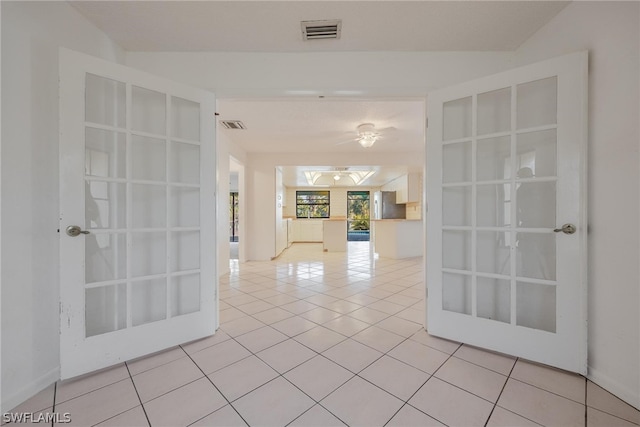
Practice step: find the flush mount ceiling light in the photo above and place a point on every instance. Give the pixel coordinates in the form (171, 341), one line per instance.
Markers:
(336, 177)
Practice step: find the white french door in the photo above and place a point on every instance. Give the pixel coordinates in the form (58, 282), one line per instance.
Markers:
(506, 226)
(137, 221)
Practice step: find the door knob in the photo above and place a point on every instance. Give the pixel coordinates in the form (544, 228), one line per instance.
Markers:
(566, 229)
(75, 230)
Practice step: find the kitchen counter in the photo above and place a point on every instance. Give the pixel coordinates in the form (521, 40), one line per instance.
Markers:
(398, 238)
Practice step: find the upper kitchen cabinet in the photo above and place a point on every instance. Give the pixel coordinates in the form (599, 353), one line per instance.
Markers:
(408, 188)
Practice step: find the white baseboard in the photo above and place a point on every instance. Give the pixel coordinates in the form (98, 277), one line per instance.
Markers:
(621, 391)
(34, 387)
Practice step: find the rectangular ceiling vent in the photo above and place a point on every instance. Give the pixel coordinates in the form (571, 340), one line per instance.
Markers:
(314, 30)
(233, 124)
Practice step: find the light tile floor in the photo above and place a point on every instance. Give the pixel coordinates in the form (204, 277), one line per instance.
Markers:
(328, 339)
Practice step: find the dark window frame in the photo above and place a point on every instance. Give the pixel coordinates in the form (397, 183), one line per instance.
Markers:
(312, 204)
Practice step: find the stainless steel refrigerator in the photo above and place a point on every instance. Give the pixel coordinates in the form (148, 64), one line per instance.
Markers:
(385, 206)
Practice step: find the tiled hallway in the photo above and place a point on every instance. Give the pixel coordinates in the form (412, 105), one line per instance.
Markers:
(328, 339)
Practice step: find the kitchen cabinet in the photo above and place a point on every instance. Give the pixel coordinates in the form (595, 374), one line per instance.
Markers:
(307, 230)
(408, 188)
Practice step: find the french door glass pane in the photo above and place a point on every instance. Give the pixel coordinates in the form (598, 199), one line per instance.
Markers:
(536, 204)
(148, 158)
(537, 103)
(537, 152)
(493, 205)
(105, 101)
(457, 119)
(149, 111)
(105, 309)
(105, 257)
(536, 306)
(456, 249)
(185, 119)
(148, 300)
(493, 253)
(536, 255)
(148, 253)
(185, 250)
(104, 153)
(185, 206)
(184, 163)
(185, 294)
(456, 205)
(149, 205)
(105, 205)
(494, 299)
(456, 162)
(456, 293)
(494, 111)
(493, 159)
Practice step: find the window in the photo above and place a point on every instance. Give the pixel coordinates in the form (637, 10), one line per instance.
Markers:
(312, 204)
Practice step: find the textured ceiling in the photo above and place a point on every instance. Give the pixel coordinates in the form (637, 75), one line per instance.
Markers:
(274, 26)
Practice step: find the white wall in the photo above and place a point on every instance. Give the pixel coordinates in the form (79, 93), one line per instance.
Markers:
(31, 35)
(610, 31)
(330, 73)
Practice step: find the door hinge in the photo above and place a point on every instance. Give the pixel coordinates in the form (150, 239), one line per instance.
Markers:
(426, 122)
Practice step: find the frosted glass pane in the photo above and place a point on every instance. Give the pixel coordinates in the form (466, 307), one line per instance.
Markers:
(456, 293)
(493, 253)
(494, 299)
(493, 205)
(537, 103)
(185, 250)
(149, 205)
(536, 255)
(456, 162)
(456, 249)
(105, 101)
(148, 301)
(104, 153)
(105, 205)
(456, 205)
(185, 294)
(148, 253)
(184, 163)
(456, 119)
(493, 159)
(149, 111)
(536, 306)
(185, 207)
(185, 119)
(105, 257)
(148, 158)
(105, 309)
(537, 152)
(536, 204)
(494, 111)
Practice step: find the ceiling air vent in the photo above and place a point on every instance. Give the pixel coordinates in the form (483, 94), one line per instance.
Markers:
(313, 30)
(233, 124)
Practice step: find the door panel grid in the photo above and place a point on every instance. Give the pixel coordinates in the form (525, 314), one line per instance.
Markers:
(506, 159)
(137, 172)
(141, 235)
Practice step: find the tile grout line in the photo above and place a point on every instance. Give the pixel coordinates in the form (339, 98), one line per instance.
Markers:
(219, 391)
(137, 394)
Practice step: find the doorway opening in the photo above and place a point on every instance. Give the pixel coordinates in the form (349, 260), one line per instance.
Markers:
(358, 215)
